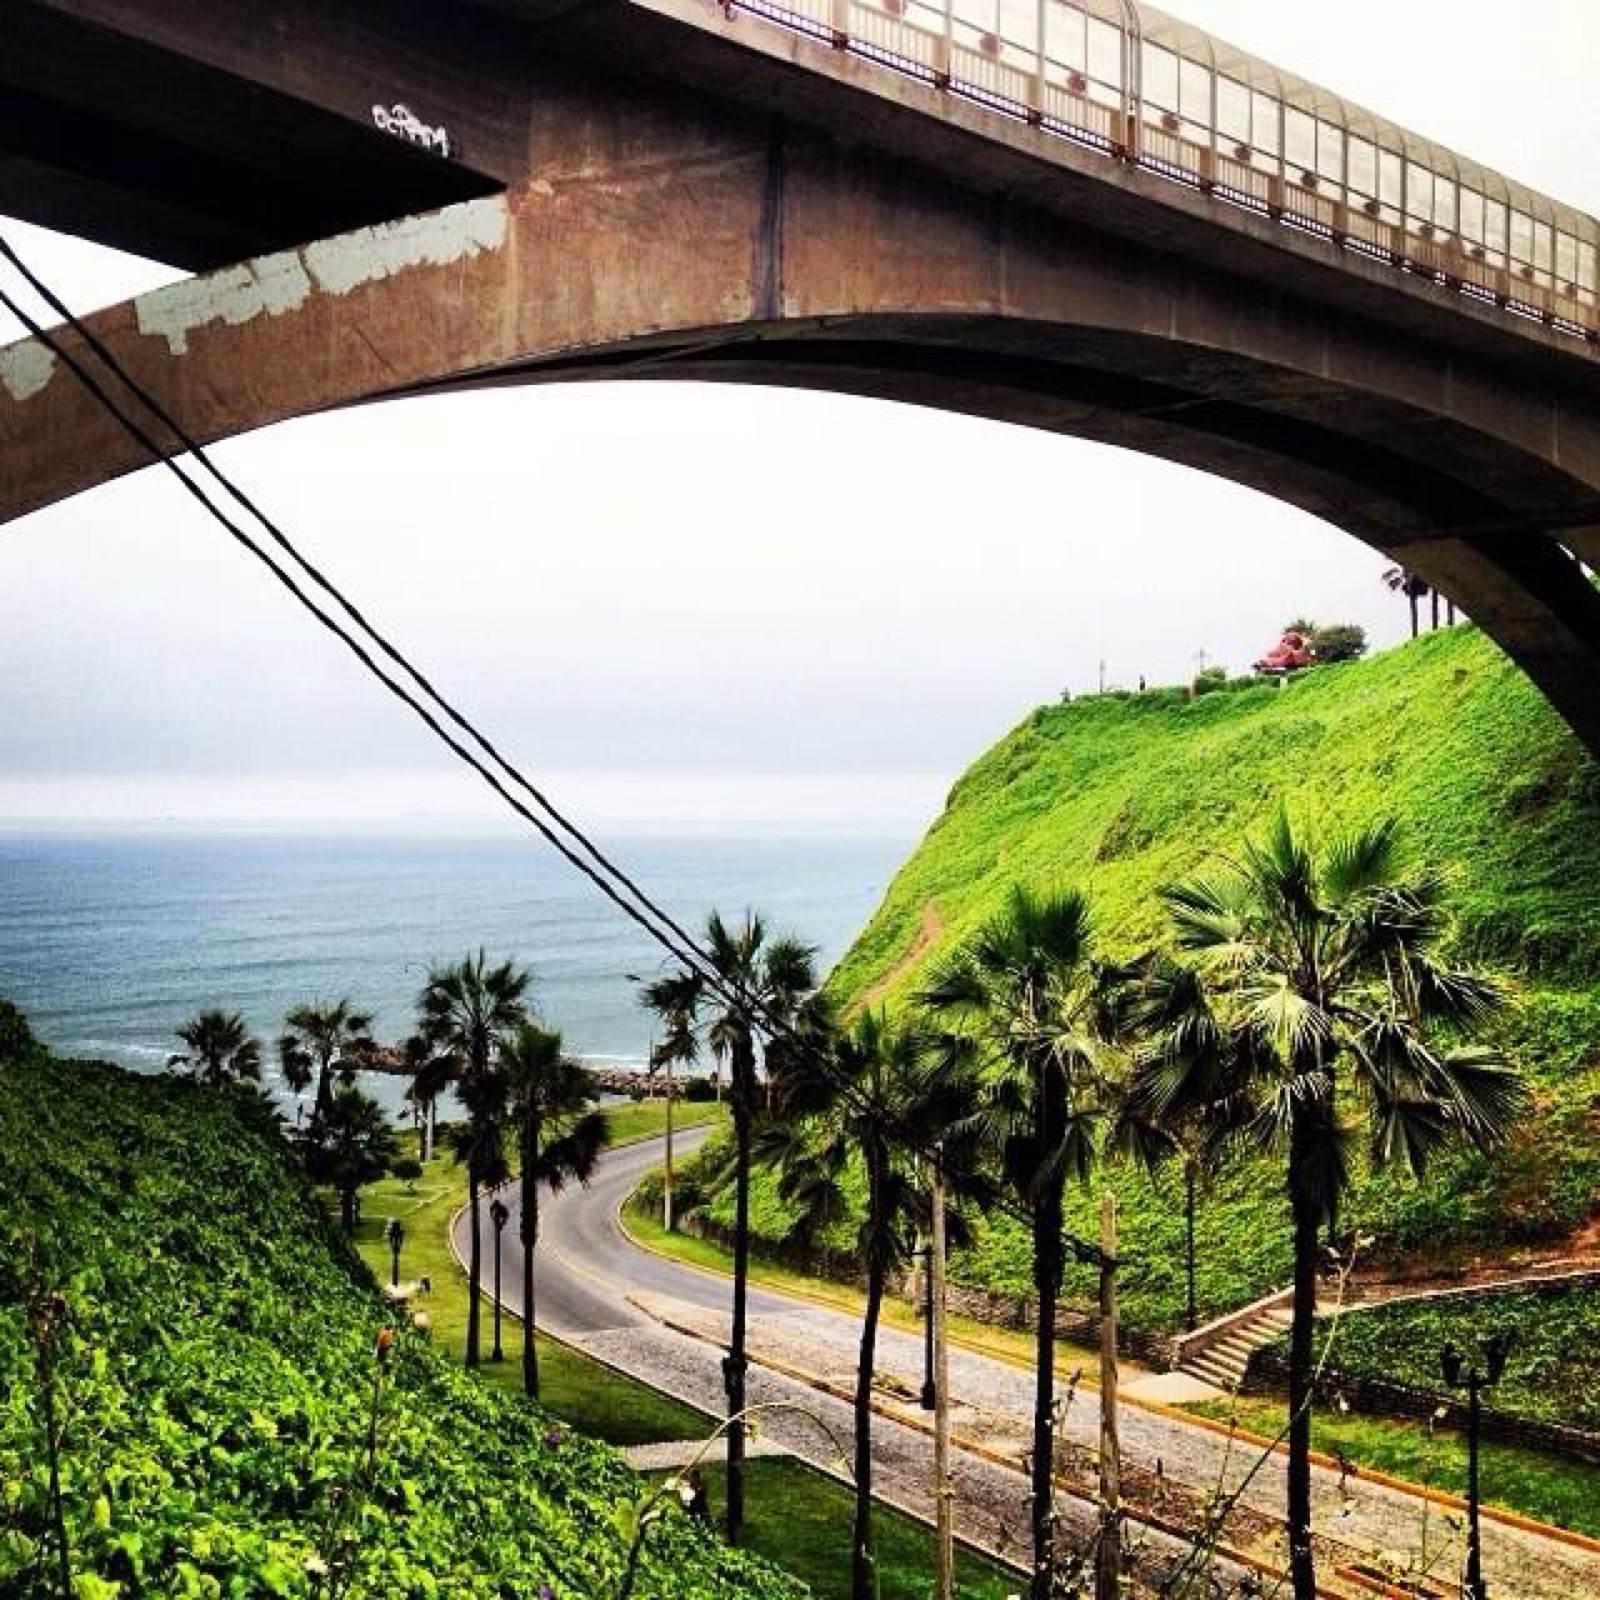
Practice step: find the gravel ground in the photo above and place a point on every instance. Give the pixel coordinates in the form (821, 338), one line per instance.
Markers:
(1175, 1462)
(991, 1500)
(595, 1286)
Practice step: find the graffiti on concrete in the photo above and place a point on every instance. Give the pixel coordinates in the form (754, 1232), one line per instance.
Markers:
(404, 123)
(274, 285)
(26, 368)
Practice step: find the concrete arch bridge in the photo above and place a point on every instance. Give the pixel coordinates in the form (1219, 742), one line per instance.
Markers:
(1096, 221)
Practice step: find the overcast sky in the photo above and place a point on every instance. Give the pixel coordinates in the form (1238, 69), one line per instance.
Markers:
(688, 602)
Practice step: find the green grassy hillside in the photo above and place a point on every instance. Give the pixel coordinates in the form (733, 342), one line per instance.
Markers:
(216, 1372)
(1120, 795)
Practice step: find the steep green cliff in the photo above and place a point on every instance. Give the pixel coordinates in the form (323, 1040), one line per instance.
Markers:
(1119, 795)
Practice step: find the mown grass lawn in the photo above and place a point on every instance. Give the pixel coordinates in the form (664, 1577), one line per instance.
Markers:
(802, 1521)
(644, 1119)
(1531, 1482)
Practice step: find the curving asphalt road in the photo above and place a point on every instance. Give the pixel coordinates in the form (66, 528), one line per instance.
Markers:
(591, 1278)
(586, 1266)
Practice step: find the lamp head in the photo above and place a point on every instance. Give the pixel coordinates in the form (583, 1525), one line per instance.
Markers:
(1495, 1354)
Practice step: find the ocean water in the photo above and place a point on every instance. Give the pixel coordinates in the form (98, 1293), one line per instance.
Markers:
(109, 943)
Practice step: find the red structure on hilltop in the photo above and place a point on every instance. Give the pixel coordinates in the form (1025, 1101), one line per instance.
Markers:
(1292, 652)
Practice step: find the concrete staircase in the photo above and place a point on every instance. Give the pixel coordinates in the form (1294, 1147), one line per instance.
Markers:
(1220, 1353)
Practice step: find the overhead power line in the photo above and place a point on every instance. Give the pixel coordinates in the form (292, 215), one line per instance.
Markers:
(581, 853)
(558, 820)
(688, 954)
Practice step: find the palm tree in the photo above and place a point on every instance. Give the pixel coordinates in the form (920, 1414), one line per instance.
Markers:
(763, 981)
(559, 1138)
(1400, 581)
(430, 1073)
(478, 1142)
(218, 1050)
(323, 1039)
(872, 1096)
(1303, 966)
(673, 1000)
(1159, 997)
(1034, 1011)
(353, 1145)
(466, 1012)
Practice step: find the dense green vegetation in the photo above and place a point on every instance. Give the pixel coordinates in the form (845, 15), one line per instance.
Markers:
(1552, 1373)
(1121, 794)
(801, 1520)
(1529, 1482)
(213, 1356)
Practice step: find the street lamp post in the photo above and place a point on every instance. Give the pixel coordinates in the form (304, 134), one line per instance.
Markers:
(394, 1233)
(1460, 1375)
(930, 1387)
(499, 1215)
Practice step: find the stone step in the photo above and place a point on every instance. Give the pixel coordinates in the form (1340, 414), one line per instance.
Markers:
(1238, 1344)
(1208, 1371)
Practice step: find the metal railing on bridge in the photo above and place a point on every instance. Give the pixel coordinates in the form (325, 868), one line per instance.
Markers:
(1147, 88)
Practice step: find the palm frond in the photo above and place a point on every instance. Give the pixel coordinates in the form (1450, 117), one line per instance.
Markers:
(1288, 1022)
(1207, 921)
(1361, 860)
(1486, 1095)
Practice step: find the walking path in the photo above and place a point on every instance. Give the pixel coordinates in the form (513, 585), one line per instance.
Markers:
(666, 1323)
(692, 1452)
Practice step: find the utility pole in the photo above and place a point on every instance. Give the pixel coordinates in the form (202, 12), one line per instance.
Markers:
(666, 1188)
(1108, 1563)
(943, 1490)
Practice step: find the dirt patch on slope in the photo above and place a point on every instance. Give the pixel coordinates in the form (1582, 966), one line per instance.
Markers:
(928, 933)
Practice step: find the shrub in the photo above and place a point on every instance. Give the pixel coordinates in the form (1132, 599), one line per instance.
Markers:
(1339, 641)
(16, 1037)
(408, 1170)
(1208, 680)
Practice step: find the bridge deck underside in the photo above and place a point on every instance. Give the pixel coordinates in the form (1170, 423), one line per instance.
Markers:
(664, 232)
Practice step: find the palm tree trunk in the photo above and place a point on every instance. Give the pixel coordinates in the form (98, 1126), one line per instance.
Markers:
(347, 1209)
(1302, 1568)
(862, 1586)
(1191, 1317)
(1416, 619)
(474, 1267)
(319, 1107)
(1047, 1288)
(735, 1364)
(530, 1240)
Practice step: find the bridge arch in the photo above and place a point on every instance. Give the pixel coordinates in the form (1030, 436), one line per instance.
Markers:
(758, 255)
